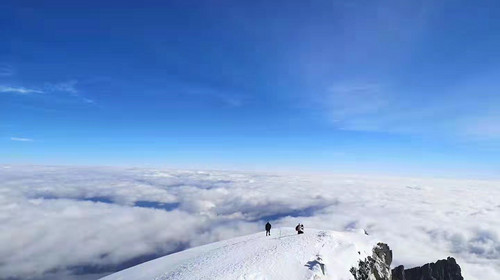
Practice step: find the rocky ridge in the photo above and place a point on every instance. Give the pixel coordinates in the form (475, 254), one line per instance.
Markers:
(377, 267)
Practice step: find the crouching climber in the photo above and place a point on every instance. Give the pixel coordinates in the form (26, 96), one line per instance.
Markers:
(299, 228)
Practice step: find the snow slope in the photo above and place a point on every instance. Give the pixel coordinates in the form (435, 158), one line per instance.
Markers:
(316, 254)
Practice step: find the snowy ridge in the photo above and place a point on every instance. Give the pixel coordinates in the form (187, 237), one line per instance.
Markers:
(316, 254)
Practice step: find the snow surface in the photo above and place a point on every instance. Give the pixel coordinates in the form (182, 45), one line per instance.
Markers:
(316, 254)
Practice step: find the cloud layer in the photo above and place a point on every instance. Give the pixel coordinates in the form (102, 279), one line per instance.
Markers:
(87, 221)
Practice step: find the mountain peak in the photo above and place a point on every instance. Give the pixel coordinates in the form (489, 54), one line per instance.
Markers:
(316, 254)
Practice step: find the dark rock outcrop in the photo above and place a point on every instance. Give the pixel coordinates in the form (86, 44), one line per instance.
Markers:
(398, 273)
(377, 266)
(447, 269)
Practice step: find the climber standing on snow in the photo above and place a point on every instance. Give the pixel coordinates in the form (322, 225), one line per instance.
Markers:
(268, 229)
(299, 228)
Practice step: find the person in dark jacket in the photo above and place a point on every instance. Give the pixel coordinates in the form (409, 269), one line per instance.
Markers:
(268, 229)
(299, 228)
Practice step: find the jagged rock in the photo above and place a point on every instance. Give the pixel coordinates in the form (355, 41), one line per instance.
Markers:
(383, 253)
(398, 273)
(383, 256)
(441, 270)
(376, 267)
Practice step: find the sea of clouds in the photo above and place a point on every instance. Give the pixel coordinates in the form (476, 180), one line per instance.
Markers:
(85, 222)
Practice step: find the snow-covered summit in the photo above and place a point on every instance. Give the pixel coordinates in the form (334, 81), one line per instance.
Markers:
(316, 254)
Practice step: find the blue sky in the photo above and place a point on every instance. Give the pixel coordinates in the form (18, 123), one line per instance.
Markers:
(386, 87)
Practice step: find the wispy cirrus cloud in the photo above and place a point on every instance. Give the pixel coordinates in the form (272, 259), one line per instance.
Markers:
(55, 90)
(6, 70)
(353, 106)
(366, 107)
(483, 127)
(67, 87)
(461, 112)
(228, 98)
(21, 139)
(19, 90)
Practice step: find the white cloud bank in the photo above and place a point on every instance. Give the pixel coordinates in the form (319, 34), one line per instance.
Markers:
(84, 221)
